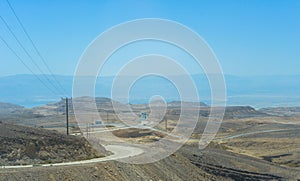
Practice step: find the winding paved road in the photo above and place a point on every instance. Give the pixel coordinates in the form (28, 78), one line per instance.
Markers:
(250, 133)
(118, 151)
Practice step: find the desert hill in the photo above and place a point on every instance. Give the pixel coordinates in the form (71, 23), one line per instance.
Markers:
(26, 145)
(282, 111)
(8, 107)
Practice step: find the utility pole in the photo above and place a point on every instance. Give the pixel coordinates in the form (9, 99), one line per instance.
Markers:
(166, 124)
(106, 117)
(67, 113)
(87, 130)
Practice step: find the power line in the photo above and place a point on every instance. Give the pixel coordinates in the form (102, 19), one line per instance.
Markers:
(35, 47)
(67, 113)
(20, 59)
(27, 53)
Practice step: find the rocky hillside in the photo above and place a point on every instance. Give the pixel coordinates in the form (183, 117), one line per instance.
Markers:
(230, 112)
(242, 112)
(4, 105)
(282, 111)
(8, 107)
(189, 104)
(83, 102)
(25, 145)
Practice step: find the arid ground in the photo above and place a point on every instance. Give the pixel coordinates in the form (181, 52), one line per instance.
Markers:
(251, 144)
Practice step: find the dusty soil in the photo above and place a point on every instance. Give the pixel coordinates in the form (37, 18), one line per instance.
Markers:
(260, 156)
(25, 145)
(188, 163)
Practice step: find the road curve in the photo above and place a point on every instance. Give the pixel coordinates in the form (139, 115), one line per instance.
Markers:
(250, 133)
(118, 151)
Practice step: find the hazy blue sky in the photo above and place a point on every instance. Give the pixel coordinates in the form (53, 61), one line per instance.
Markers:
(250, 37)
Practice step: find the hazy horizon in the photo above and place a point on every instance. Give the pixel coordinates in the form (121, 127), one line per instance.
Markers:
(252, 38)
(262, 91)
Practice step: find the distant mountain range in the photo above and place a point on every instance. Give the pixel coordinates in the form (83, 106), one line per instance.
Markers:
(52, 114)
(257, 91)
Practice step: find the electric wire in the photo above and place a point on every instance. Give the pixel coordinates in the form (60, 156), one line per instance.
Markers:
(30, 57)
(23, 62)
(35, 47)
